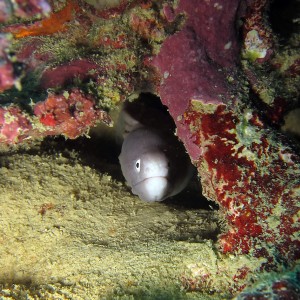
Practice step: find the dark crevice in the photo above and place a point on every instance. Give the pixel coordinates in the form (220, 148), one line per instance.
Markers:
(284, 18)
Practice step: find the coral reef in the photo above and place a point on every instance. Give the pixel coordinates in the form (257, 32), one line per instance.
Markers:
(9, 10)
(7, 78)
(247, 167)
(23, 9)
(227, 78)
(271, 61)
(273, 287)
(69, 114)
(73, 51)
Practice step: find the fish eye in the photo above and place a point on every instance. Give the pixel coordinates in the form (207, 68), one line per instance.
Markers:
(138, 165)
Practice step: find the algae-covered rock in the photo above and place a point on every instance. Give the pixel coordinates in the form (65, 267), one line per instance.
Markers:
(71, 231)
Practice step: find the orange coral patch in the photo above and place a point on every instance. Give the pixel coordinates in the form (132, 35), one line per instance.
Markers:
(54, 23)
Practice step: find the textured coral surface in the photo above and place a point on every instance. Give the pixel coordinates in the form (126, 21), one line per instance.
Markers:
(93, 56)
(246, 166)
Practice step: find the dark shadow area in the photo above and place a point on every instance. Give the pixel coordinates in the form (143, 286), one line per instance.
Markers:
(284, 18)
(102, 155)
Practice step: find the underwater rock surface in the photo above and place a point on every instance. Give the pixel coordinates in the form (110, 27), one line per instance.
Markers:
(69, 231)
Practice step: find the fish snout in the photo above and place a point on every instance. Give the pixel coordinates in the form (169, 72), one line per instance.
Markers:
(154, 164)
(152, 189)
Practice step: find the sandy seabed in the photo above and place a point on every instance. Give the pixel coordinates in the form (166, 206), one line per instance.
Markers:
(71, 229)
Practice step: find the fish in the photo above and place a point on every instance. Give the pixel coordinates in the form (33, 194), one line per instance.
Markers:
(153, 161)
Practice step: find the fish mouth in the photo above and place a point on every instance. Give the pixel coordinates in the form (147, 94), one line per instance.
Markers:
(149, 179)
(152, 189)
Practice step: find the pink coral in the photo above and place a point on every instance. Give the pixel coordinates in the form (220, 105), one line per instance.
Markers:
(71, 114)
(14, 125)
(7, 77)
